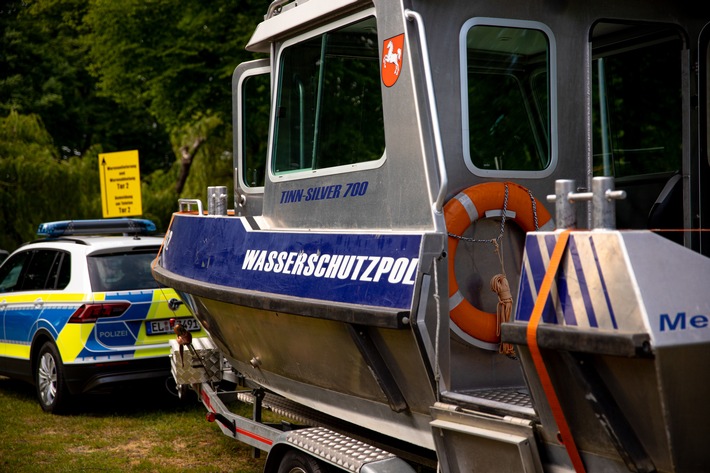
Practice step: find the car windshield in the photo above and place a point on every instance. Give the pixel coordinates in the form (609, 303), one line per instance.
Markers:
(122, 271)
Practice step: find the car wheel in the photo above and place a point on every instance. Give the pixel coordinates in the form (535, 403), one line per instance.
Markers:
(296, 461)
(49, 379)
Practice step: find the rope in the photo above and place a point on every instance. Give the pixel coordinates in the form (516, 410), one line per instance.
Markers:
(499, 285)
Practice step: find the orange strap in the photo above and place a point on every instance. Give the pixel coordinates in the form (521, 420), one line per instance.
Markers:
(565, 433)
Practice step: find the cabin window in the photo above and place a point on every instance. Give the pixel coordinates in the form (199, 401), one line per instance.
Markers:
(506, 95)
(329, 102)
(637, 100)
(255, 128)
(637, 120)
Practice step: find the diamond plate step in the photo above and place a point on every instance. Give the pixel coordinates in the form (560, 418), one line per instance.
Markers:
(345, 452)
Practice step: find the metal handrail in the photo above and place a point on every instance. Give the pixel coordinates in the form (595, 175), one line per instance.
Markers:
(184, 205)
(275, 8)
(436, 130)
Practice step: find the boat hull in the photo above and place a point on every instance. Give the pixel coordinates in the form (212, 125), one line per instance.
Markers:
(335, 339)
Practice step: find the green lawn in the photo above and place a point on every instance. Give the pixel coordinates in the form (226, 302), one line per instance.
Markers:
(141, 429)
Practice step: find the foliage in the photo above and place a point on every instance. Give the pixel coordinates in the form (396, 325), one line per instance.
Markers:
(80, 77)
(36, 185)
(180, 71)
(45, 72)
(159, 197)
(171, 57)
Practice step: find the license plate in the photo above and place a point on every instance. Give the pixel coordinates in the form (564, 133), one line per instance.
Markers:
(159, 327)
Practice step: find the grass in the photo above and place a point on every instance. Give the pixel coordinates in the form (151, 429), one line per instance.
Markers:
(141, 429)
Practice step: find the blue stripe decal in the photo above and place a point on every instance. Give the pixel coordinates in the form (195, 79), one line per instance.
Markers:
(603, 283)
(369, 269)
(524, 309)
(548, 314)
(525, 299)
(98, 353)
(576, 297)
(537, 266)
(550, 242)
(582, 282)
(534, 247)
(566, 305)
(134, 297)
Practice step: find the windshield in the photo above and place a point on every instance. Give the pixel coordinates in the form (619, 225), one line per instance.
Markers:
(329, 108)
(122, 271)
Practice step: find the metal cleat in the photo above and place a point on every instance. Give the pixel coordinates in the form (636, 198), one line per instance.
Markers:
(602, 197)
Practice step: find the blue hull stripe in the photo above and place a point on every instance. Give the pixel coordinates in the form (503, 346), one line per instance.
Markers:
(369, 269)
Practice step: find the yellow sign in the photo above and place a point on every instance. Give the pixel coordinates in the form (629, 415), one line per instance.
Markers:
(120, 184)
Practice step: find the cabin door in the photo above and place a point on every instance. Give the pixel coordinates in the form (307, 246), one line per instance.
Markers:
(251, 90)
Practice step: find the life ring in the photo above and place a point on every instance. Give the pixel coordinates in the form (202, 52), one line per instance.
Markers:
(460, 213)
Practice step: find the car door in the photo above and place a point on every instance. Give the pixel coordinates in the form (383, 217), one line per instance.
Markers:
(25, 302)
(11, 277)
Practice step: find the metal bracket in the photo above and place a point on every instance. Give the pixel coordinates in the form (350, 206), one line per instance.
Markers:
(361, 336)
(602, 197)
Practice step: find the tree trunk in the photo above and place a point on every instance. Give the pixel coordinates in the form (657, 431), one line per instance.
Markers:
(187, 155)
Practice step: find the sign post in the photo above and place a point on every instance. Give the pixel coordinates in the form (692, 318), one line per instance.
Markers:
(120, 184)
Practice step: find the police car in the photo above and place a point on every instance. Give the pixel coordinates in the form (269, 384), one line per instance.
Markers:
(80, 310)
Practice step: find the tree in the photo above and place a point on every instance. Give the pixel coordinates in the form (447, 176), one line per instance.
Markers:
(176, 61)
(36, 185)
(81, 77)
(45, 71)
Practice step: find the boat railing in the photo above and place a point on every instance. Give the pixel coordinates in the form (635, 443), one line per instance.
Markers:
(185, 205)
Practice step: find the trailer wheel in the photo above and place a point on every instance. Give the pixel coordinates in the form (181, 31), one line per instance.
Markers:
(296, 461)
(52, 392)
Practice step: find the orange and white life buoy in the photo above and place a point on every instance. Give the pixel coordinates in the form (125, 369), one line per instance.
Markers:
(460, 213)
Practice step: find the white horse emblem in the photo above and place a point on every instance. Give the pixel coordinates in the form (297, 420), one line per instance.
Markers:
(392, 58)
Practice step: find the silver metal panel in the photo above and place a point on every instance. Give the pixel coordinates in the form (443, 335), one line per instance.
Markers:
(468, 442)
(614, 283)
(673, 284)
(316, 363)
(408, 207)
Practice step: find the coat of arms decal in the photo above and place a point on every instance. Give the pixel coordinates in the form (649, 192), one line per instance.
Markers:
(392, 50)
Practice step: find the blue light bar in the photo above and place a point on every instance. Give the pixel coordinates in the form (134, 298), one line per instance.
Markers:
(131, 226)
